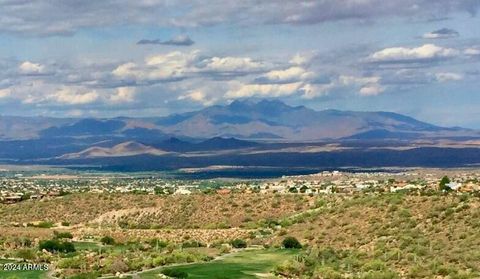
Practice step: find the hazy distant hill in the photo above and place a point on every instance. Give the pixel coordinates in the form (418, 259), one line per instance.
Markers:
(130, 148)
(247, 119)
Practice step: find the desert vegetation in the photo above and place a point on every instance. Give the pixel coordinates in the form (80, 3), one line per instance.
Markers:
(365, 235)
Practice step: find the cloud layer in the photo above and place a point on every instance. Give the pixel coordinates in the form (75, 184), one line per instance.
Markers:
(65, 17)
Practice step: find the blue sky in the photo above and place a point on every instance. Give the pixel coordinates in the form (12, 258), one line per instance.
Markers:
(155, 57)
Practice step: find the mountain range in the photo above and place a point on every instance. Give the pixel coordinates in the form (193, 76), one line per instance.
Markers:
(267, 133)
(270, 120)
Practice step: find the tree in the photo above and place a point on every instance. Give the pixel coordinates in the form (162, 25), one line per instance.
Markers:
(443, 184)
(291, 242)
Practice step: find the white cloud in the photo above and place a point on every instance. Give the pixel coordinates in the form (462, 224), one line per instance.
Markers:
(288, 75)
(302, 59)
(232, 64)
(472, 51)
(417, 54)
(199, 97)
(311, 91)
(178, 65)
(74, 96)
(446, 77)
(264, 90)
(36, 17)
(30, 68)
(365, 86)
(353, 80)
(123, 95)
(5, 93)
(371, 89)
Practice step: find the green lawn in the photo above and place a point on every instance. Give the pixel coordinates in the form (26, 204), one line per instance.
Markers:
(20, 274)
(85, 245)
(245, 264)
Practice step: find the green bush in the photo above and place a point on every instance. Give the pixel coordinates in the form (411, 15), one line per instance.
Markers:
(56, 246)
(60, 235)
(291, 243)
(45, 225)
(238, 243)
(107, 240)
(193, 244)
(157, 243)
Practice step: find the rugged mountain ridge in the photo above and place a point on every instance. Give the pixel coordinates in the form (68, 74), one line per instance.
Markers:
(270, 120)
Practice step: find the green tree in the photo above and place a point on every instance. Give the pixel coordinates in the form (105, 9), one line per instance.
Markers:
(443, 184)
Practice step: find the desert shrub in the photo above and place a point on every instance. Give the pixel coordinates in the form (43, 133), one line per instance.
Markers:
(60, 235)
(239, 243)
(193, 244)
(74, 262)
(56, 246)
(291, 242)
(326, 273)
(158, 243)
(107, 240)
(45, 224)
(289, 269)
(118, 266)
(26, 254)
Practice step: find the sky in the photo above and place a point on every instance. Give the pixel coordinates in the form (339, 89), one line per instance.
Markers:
(89, 58)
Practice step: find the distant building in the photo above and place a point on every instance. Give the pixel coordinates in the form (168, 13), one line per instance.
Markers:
(454, 186)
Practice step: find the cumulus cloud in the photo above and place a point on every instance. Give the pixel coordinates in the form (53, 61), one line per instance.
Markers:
(444, 33)
(230, 65)
(162, 67)
(30, 68)
(425, 53)
(264, 90)
(371, 89)
(73, 96)
(180, 40)
(288, 75)
(56, 17)
(123, 95)
(174, 66)
(302, 59)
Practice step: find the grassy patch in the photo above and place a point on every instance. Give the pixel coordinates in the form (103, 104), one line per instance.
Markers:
(20, 274)
(245, 264)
